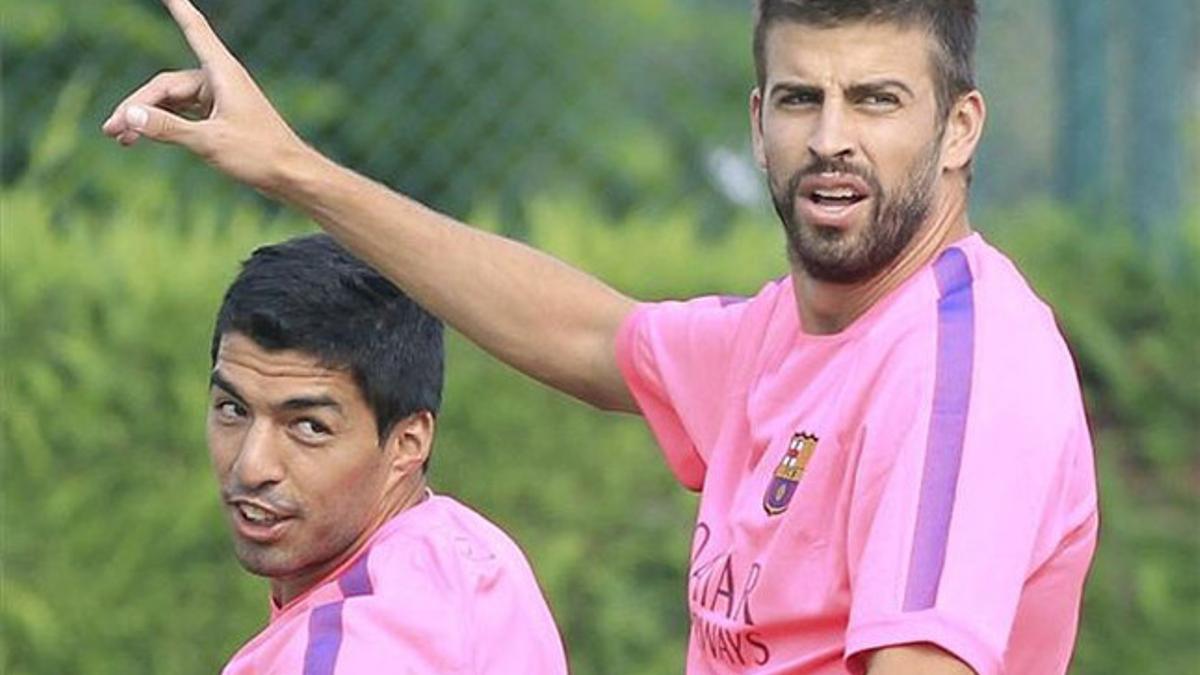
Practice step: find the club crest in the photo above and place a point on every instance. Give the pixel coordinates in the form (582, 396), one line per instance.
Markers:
(787, 475)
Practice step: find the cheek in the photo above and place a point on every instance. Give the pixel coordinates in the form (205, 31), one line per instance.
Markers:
(895, 151)
(222, 448)
(345, 488)
(337, 510)
(785, 144)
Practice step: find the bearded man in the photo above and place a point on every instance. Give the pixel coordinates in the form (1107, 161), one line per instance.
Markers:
(895, 468)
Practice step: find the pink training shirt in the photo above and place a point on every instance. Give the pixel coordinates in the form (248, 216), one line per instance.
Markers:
(438, 589)
(925, 475)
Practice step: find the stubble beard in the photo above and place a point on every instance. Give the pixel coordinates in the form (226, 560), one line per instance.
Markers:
(294, 556)
(837, 256)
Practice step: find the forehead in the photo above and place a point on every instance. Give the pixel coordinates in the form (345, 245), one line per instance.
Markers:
(272, 374)
(848, 53)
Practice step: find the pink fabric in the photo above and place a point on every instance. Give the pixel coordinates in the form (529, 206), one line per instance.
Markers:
(924, 476)
(438, 589)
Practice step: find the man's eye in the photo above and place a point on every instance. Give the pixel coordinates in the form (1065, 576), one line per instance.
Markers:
(881, 99)
(799, 98)
(312, 428)
(229, 410)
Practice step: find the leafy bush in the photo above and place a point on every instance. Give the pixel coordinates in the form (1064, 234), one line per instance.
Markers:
(114, 560)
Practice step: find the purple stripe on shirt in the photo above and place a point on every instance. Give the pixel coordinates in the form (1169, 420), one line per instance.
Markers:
(947, 428)
(324, 639)
(357, 579)
(325, 622)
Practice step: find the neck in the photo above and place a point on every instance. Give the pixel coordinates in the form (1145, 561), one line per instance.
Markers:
(827, 308)
(405, 496)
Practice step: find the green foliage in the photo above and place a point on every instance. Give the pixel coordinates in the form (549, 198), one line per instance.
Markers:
(111, 559)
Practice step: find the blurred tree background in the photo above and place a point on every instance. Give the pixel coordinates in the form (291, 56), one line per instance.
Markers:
(612, 133)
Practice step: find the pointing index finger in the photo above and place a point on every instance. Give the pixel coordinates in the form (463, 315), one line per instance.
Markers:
(198, 33)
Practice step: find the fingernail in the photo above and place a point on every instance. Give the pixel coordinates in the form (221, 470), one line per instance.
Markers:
(137, 116)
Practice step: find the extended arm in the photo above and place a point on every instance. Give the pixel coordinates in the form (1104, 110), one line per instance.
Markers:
(535, 313)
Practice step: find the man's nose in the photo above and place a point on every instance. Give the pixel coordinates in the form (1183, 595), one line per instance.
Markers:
(832, 138)
(258, 461)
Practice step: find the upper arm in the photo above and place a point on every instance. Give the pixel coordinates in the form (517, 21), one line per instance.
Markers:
(607, 389)
(967, 485)
(915, 659)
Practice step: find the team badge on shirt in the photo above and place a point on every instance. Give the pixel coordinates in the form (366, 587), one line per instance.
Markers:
(787, 474)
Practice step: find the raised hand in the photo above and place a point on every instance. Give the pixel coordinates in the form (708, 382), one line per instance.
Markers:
(539, 315)
(232, 125)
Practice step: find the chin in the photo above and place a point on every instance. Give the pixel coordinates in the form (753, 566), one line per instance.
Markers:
(270, 562)
(836, 257)
(826, 243)
(833, 239)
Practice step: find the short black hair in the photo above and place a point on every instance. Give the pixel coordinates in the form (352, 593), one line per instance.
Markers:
(311, 295)
(951, 23)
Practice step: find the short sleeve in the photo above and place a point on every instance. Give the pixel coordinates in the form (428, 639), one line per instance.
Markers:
(676, 359)
(969, 480)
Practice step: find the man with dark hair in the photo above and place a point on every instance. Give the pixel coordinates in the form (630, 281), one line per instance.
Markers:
(895, 469)
(325, 384)
(950, 24)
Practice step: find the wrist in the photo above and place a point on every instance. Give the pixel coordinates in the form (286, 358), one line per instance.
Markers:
(296, 174)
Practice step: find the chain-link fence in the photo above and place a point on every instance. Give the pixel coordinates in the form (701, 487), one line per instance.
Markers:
(633, 103)
(456, 103)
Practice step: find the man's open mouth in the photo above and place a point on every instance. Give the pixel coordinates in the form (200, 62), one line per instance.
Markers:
(837, 196)
(258, 515)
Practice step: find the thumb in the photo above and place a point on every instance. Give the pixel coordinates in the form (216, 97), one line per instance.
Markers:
(159, 125)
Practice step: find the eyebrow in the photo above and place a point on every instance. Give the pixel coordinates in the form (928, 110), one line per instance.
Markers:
(295, 403)
(794, 88)
(305, 402)
(856, 89)
(872, 86)
(217, 380)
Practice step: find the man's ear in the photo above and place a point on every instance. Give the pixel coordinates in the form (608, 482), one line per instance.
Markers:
(964, 127)
(408, 445)
(756, 128)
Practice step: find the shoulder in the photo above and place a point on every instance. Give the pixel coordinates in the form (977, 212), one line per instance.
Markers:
(1018, 341)
(1003, 294)
(445, 546)
(979, 311)
(468, 576)
(706, 328)
(426, 566)
(979, 342)
(683, 340)
(713, 309)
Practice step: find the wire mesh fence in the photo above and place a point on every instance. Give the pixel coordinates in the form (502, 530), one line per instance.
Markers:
(455, 103)
(635, 104)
